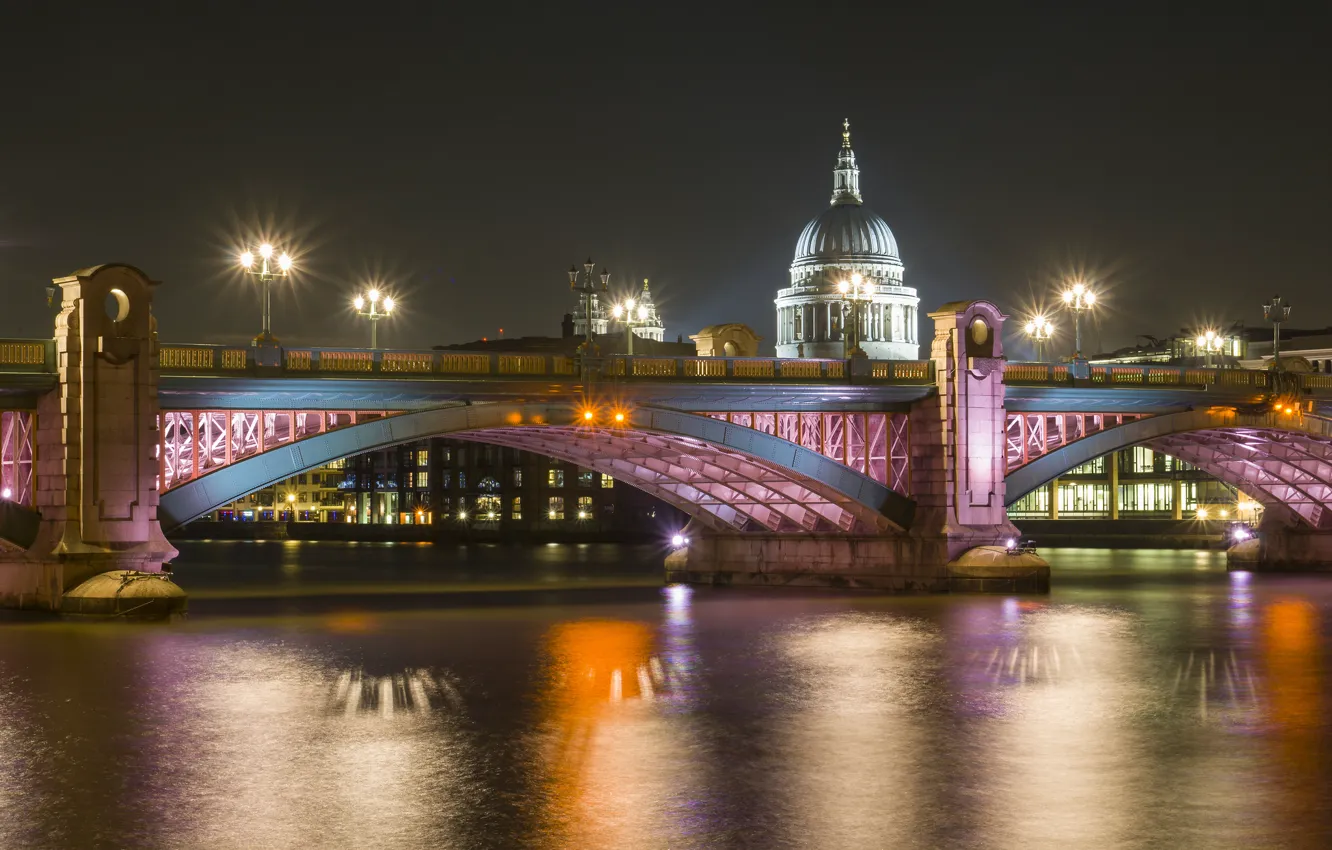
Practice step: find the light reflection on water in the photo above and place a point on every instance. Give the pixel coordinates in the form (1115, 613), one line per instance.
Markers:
(1137, 706)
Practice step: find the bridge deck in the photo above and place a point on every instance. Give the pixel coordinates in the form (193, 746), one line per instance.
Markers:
(228, 377)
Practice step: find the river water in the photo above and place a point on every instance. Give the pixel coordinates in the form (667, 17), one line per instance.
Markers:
(342, 695)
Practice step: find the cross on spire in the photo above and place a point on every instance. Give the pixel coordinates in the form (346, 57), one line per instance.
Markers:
(846, 133)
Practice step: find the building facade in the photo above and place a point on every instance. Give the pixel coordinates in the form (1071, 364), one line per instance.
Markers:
(316, 496)
(1136, 483)
(844, 240)
(461, 484)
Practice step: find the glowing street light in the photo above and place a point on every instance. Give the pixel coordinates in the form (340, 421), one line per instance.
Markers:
(1079, 299)
(1040, 329)
(374, 306)
(631, 315)
(266, 268)
(857, 294)
(1210, 342)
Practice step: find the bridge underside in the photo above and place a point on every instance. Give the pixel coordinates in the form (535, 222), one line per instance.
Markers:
(1282, 461)
(724, 490)
(1279, 469)
(729, 477)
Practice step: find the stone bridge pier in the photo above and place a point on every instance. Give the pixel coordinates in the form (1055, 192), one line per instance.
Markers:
(957, 539)
(96, 446)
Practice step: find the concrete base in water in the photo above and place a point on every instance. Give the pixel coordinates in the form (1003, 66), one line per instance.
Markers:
(900, 564)
(1280, 549)
(40, 583)
(127, 594)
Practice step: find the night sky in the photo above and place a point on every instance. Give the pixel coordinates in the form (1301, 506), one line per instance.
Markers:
(468, 157)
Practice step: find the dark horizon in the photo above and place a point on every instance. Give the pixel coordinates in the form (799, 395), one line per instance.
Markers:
(1179, 162)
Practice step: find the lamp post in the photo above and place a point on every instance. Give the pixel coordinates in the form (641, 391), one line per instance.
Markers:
(630, 316)
(373, 306)
(266, 268)
(1276, 311)
(1079, 299)
(856, 294)
(585, 284)
(1040, 329)
(1210, 342)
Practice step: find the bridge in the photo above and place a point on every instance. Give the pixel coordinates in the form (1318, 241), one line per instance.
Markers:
(853, 472)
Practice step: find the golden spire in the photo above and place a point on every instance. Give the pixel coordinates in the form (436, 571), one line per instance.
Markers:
(645, 285)
(846, 133)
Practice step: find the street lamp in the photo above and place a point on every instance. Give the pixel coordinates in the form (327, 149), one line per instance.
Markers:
(1276, 311)
(1078, 299)
(630, 316)
(1040, 329)
(857, 295)
(586, 285)
(1210, 342)
(374, 306)
(266, 268)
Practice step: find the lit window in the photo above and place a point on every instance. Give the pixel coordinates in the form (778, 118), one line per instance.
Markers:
(1144, 459)
(517, 510)
(488, 507)
(586, 478)
(555, 478)
(517, 476)
(556, 510)
(584, 507)
(422, 457)
(607, 482)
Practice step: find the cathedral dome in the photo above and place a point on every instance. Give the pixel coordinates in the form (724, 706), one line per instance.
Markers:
(846, 233)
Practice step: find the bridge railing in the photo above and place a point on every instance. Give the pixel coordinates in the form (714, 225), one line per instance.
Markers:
(1149, 375)
(27, 355)
(361, 362)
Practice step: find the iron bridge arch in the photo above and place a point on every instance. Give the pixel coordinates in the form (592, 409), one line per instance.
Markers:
(727, 477)
(1283, 461)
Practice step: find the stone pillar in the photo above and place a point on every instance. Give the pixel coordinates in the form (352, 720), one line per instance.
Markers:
(957, 436)
(1054, 498)
(1177, 499)
(97, 443)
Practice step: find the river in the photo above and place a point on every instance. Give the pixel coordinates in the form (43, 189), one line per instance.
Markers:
(367, 696)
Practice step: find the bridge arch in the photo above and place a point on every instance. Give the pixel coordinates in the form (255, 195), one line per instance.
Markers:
(1283, 461)
(728, 477)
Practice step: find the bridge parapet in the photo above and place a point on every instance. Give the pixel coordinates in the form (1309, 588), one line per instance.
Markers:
(181, 360)
(1058, 374)
(28, 355)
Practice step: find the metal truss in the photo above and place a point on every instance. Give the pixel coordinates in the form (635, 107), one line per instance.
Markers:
(875, 444)
(725, 490)
(16, 454)
(1280, 469)
(195, 442)
(1027, 436)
